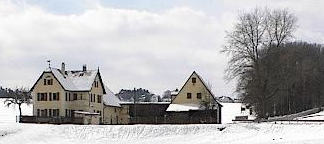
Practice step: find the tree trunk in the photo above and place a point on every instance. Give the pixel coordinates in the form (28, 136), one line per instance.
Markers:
(19, 106)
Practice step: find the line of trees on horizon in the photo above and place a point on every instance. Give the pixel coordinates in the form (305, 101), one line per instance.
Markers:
(275, 75)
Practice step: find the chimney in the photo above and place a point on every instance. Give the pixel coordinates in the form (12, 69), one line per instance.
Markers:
(84, 68)
(63, 68)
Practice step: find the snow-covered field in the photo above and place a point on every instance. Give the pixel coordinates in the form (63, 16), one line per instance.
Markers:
(243, 133)
(240, 133)
(8, 115)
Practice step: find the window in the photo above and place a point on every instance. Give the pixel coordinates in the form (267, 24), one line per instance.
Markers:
(55, 96)
(38, 112)
(193, 80)
(48, 81)
(50, 96)
(66, 113)
(38, 96)
(42, 97)
(99, 99)
(93, 98)
(75, 96)
(188, 95)
(50, 112)
(56, 112)
(96, 83)
(90, 97)
(66, 96)
(198, 95)
(70, 97)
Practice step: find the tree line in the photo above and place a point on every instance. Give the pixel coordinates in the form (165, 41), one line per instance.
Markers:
(275, 75)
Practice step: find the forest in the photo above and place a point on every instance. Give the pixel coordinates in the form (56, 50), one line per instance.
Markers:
(276, 74)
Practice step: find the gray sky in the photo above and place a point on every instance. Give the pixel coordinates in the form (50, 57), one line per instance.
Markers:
(136, 43)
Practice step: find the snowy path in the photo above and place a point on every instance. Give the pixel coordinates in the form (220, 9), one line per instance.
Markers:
(162, 134)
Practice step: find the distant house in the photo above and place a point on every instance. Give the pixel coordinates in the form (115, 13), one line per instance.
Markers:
(195, 98)
(74, 96)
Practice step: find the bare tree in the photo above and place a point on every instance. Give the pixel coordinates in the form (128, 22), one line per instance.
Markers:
(280, 26)
(248, 43)
(18, 97)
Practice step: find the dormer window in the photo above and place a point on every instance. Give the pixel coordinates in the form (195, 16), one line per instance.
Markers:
(193, 80)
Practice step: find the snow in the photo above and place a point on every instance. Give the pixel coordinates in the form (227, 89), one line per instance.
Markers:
(183, 107)
(75, 80)
(242, 133)
(8, 115)
(125, 102)
(316, 116)
(230, 110)
(174, 92)
(239, 133)
(85, 113)
(110, 99)
(295, 116)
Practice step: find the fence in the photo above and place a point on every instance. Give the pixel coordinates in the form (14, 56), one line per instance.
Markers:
(51, 120)
(188, 117)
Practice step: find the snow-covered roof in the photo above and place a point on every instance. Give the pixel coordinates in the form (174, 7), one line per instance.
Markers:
(110, 99)
(184, 107)
(174, 92)
(75, 80)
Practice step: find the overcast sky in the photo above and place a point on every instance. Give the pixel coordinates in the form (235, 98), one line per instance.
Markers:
(136, 43)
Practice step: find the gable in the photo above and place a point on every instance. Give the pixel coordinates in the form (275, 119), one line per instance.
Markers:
(39, 84)
(194, 85)
(97, 85)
